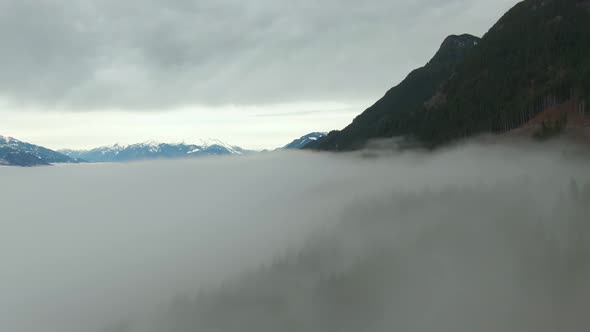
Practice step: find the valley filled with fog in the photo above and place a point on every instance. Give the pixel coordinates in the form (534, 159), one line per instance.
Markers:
(469, 238)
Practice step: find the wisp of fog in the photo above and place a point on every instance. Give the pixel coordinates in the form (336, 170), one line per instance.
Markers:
(471, 238)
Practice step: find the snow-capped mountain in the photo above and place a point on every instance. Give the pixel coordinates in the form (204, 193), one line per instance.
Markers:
(19, 153)
(155, 150)
(300, 143)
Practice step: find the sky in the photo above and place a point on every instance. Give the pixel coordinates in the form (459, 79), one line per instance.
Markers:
(257, 73)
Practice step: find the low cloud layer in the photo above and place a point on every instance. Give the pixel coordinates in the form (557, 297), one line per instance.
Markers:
(484, 238)
(138, 55)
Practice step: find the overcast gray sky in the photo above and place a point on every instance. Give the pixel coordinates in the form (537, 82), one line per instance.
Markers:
(255, 73)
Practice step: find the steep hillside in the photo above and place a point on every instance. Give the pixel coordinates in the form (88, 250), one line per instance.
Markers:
(536, 57)
(389, 116)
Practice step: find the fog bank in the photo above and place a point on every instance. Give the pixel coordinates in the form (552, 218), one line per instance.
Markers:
(471, 238)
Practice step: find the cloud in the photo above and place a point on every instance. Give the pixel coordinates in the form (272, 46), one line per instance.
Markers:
(475, 237)
(157, 54)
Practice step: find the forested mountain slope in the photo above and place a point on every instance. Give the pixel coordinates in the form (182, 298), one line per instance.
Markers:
(389, 116)
(536, 57)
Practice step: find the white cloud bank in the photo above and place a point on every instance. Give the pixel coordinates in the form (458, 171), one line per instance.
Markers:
(471, 238)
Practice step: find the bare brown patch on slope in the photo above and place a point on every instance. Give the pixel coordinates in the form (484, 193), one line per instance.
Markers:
(578, 121)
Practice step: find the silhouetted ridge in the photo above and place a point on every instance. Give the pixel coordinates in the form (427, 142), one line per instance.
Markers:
(389, 116)
(536, 57)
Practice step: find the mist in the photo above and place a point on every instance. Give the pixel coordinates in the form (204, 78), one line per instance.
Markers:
(476, 237)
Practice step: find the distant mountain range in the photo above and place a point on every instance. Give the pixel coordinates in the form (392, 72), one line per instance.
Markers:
(300, 143)
(155, 150)
(17, 153)
(532, 69)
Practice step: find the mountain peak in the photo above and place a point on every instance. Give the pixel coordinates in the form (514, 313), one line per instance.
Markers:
(386, 116)
(300, 143)
(18, 153)
(533, 59)
(454, 48)
(460, 41)
(8, 140)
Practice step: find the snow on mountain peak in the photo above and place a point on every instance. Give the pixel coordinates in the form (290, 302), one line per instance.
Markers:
(153, 149)
(8, 140)
(209, 142)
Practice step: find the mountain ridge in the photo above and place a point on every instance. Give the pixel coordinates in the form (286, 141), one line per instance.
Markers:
(393, 110)
(304, 140)
(535, 57)
(14, 152)
(150, 150)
